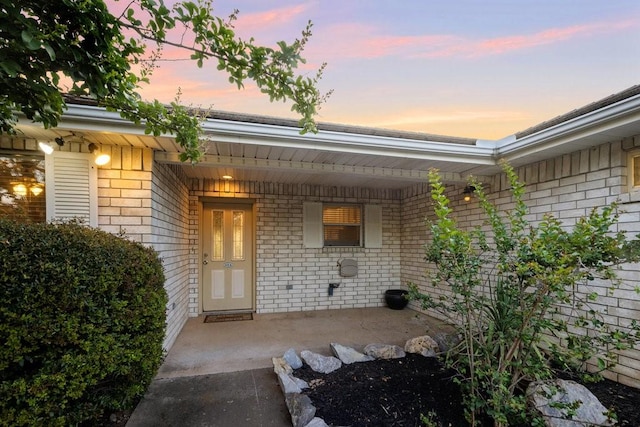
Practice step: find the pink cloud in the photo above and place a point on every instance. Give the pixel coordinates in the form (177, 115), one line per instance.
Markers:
(366, 42)
(269, 18)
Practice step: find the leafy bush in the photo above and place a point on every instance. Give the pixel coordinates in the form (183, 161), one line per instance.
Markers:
(521, 293)
(82, 323)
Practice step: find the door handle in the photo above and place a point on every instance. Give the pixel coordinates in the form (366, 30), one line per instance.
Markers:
(204, 261)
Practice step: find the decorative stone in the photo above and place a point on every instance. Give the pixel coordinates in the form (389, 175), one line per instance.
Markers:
(301, 410)
(280, 365)
(317, 422)
(424, 345)
(446, 341)
(591, 412)
(348, 355)
(288, 384)
(320, 363)
(384, 351)
(292, 359)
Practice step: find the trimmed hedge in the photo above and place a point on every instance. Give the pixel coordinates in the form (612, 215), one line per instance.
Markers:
(82, 321)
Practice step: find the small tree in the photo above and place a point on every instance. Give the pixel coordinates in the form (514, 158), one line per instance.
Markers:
(519, 294)
(45, 45)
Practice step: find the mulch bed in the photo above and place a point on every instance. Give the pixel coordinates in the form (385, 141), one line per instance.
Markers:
(396, 392)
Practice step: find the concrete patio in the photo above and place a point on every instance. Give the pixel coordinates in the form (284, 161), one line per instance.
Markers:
(220, 374)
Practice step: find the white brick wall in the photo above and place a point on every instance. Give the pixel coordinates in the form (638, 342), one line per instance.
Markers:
(568, 187)
(170, 224)
(149, 203)
(282, 261)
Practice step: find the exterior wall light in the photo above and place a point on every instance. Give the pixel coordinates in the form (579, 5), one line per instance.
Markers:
(467, 193)
(45, 147)
(101, 158)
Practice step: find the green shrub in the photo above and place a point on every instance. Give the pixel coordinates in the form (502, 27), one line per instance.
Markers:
(519, 293)
(82, 322)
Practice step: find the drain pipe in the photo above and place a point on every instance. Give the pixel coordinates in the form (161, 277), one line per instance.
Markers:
(332, 286)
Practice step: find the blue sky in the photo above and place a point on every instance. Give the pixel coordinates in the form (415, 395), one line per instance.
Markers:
(480, 69)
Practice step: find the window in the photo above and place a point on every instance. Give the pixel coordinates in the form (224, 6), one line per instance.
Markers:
(634, 170)
(22, 187)
(342, 225)
(70, 190)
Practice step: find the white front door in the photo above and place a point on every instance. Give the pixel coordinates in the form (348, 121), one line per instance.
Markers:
(227, 257)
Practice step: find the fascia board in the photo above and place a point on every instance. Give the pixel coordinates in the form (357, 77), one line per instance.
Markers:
(606, 118)
(278, 136)
(91, 118)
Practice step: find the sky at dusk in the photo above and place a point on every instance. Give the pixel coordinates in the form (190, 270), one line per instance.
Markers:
(479, 69)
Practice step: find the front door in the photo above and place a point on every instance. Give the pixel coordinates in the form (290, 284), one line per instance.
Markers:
(227, 257)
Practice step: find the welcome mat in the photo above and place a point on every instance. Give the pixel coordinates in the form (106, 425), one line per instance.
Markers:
(227, 317)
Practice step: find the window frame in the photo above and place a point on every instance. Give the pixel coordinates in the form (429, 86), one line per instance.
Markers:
(360, 225)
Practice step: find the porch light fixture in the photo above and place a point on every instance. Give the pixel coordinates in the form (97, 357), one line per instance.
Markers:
(101, 158)
(227, 177)
(47, 148)
(467, 192)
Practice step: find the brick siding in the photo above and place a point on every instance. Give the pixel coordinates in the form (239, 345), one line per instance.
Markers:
(568, 187)
(283, 262)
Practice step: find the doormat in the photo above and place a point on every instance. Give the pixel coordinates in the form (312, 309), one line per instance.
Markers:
(227, 317)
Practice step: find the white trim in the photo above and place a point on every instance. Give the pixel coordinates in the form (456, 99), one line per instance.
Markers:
(598, 124)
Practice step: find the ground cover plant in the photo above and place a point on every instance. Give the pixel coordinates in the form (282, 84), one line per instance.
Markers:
(82, 323)
(520, 294)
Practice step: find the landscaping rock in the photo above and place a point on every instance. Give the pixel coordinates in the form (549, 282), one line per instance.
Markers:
(301, 410)
(317, 422)
(591, 412)
(424, 345)
(280, 366)
(293, 359)
(291, 384)
(446, 341)
(349, 355)
(320, 363)
(384, 351)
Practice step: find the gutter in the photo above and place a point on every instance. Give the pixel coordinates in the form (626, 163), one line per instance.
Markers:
(91, 118)
(605, 119)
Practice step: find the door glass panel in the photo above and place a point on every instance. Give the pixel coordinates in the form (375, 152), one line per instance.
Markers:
(238, 235)
(217, 235)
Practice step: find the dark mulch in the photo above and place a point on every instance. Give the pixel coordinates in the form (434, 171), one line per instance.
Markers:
(396, 392)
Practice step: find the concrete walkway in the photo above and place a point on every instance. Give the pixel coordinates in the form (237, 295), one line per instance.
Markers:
(220, 374)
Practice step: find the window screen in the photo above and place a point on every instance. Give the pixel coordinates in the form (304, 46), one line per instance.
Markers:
(342, 225)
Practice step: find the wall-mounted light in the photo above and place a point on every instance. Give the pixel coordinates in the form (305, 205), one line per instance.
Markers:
(101, 158)
(467, 193)
(47, 148)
